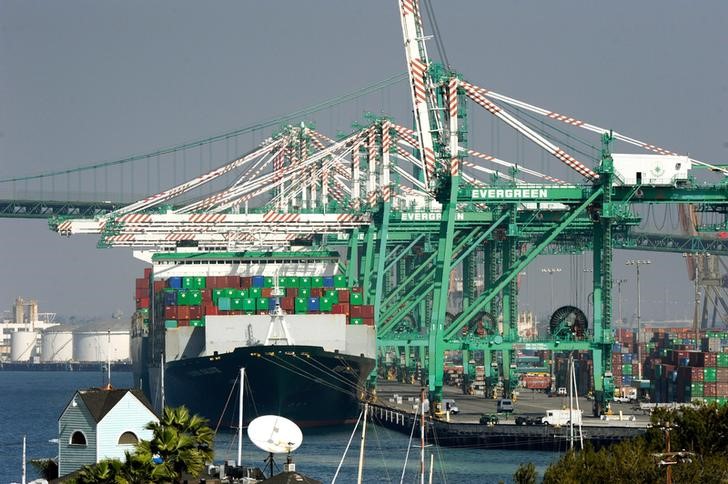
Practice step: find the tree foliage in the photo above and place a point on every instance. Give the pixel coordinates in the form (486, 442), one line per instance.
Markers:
(525, 474)
(701, 432)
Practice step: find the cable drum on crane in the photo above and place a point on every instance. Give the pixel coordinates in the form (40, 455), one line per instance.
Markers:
(568, 322)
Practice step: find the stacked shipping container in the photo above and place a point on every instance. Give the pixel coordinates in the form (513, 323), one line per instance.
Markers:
(185, 301)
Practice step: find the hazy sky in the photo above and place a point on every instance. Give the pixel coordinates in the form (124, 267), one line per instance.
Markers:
(88, 81)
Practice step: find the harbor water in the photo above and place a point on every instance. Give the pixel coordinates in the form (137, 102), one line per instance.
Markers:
(31, 403)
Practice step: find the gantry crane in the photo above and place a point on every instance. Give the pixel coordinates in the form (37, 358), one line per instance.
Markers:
(412, 205)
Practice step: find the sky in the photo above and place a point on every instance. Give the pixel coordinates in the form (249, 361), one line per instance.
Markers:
(85, 81)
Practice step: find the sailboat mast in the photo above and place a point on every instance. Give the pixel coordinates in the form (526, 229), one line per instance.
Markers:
(361, 448)
(422, 436)
(240, 418)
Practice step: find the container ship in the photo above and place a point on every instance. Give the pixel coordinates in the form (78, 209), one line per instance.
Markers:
(301, 331)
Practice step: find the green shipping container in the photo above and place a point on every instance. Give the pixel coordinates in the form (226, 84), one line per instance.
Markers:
(236, 304)
(143, 311)
(326, 304)
(304, 291)
(188, 283)
(262, 304)
(317, 281)
(721, 400)
(340, 282)
(626, 369)
(722, 360)
(710, 375)
(200, 282)
(249, 304)
(195, 297)
(197, 323)
(170, 323)
(293, 281)
(230, 292)
(242, 293)
(183, 298)
(255, 292)
(333, 295)
(696, 389)
(356, 299)
(269, 281)
(356, 321)
(216, 294)
(305, 281)
(301, 305)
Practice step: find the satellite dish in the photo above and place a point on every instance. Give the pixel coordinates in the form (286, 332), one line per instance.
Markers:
(275, 434)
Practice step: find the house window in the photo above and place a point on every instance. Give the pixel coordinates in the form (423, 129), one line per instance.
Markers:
(129, 438)
(78, 438)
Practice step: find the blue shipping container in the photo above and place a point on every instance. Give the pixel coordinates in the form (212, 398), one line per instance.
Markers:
(170, 298)
(627, 358)
(313, 304)
(271, 304)
(224, 303)
(174, 282)
(258, 281)
(329, 281)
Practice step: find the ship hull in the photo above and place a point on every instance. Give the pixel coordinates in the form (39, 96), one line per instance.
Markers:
(306, 384)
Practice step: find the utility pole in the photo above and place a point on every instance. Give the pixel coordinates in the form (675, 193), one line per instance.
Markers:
(637, 263)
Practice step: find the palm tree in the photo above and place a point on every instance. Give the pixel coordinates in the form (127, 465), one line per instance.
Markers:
(103, 472)
(181, 442)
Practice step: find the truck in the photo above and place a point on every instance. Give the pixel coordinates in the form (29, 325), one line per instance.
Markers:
(557, 418)
(625, 395)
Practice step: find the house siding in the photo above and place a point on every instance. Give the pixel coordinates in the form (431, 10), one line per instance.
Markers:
(73, 418)
(128, 415)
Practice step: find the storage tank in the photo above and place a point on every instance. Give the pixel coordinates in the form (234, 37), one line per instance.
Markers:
(96, 345)
(22, 345)
(56, 346)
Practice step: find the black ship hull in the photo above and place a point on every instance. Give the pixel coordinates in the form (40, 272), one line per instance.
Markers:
(306, 384)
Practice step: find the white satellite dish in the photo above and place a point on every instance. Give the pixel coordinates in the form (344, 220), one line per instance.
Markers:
(275, 434)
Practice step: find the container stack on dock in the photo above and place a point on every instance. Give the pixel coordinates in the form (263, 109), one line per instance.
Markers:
(625, 358)
(681, 373)
(185, 301)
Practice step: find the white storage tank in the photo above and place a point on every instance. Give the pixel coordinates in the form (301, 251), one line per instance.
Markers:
(100, 345)
(23, 345)
(56, 345)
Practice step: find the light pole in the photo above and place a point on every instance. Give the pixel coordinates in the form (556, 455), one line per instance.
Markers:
(551, 271)
(637, 263)
(619, 293)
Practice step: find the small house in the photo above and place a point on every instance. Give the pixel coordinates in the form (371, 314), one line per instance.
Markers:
(101, 423)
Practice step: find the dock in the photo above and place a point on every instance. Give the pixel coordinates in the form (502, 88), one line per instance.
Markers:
(396, 405)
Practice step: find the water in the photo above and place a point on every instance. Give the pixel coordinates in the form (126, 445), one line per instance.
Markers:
(31, 402)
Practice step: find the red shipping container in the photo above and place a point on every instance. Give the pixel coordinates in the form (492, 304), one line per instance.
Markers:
(142, 283)
(288, 304)
(183, 312)
(343, 296)
(711, 360)
(722, 389)
(183, 322)
(369, 321)
(212, 282)
(206, 296)
(170, 312)
(158, 286)
(142, 302)
(292, 292)
(317, 292)
(722, 374)
(195, 312)
(210, 310)
(245, 282)
(141, 292)
(341, 308)
(696, 374)
(147, 272)
(367, 311)
(710, 389)
(266, 291)
(355, 311)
